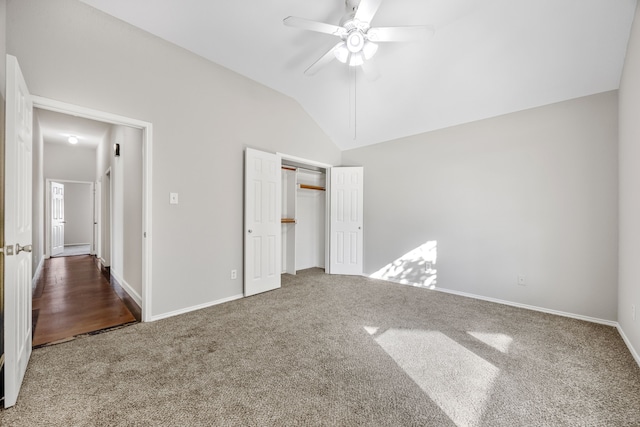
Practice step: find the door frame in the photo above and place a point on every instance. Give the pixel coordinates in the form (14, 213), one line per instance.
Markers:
(327, 204)
(147, 138)
(47, 221)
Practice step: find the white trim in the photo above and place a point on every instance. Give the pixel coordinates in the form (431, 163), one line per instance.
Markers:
(147, 138)
(127, 287)
(615, 324)
(626, 340)
(530, 307)
(513, 304)
(37, 273)
(195, 307)
(301, 160)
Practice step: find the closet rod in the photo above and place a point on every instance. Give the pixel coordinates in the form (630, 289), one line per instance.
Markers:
(312, 187)
(288, 168)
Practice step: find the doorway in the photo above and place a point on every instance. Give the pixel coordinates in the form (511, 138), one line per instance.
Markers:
(81, 294)
(69, 224)
(111, 225)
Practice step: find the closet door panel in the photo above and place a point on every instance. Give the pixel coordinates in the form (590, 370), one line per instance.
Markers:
(347, 217)
(262, 251)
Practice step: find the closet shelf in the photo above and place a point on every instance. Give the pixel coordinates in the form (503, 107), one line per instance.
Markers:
(288, 220)
(312, 187)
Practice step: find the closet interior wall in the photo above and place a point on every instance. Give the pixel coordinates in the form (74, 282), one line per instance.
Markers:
(303, 218)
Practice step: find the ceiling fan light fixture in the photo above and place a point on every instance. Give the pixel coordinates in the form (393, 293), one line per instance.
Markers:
(356, 59)
(369, 49)
(342, 53)
(355, 41)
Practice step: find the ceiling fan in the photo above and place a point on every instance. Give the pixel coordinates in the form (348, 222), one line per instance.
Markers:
(358, 40)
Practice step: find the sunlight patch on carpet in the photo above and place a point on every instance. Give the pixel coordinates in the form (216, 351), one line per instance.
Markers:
(456, 379)
(500, 342)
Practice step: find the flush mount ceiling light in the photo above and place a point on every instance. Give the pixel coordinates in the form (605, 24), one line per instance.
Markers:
(73, 140)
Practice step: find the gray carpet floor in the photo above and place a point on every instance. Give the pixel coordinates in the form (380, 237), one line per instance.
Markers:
(335, 350)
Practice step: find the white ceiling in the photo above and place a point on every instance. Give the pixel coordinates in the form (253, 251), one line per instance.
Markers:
(57, 127)
(487, 57)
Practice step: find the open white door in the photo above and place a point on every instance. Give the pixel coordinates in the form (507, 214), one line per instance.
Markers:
(346, 220)
(57, 218)
(262, 222)
(17, 222)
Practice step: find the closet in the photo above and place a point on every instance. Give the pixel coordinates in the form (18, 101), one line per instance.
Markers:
(304, 225)
(288, 224)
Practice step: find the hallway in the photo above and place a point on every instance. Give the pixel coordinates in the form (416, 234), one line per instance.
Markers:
(72, 297)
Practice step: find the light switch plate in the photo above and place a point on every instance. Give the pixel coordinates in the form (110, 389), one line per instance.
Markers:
(173, 198)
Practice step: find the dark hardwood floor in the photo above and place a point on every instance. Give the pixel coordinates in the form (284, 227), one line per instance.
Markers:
(73, 297)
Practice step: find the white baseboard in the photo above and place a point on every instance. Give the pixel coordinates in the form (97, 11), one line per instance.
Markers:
(531, 307)
(37, 274)
(515, 304)
(127, 287)
(633, 351)
(195, 307)
(615, 324)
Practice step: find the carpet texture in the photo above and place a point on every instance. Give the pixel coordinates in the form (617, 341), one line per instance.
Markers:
(336, 350)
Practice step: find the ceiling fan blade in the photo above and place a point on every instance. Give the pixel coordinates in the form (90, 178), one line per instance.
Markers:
(400, 34)
(320, 27)
(366, 10)
(324, 60)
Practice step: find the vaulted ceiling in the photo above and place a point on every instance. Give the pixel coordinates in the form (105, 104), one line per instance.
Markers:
(486, 57)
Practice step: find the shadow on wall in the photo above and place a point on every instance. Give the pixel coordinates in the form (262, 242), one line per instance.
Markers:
(417, 267)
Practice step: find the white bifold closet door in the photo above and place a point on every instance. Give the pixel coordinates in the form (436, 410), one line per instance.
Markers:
(263, 262)
(263, 221)
(346, 221)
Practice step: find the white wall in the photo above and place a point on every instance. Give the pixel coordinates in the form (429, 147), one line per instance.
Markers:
(126, 208)
(310, 228)
(629, 284)
(38, 195)
(117, 201)
(69, 162)
(131, 154)
(78, 213)
(104, 155)
(203, 115)
(533, 193)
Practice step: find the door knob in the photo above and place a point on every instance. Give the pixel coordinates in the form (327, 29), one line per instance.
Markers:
(25, 248)
(250, 231)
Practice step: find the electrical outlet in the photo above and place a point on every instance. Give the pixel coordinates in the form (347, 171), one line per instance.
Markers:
(173, 198)
(234, 274)
(522, 280)
(633, 312)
